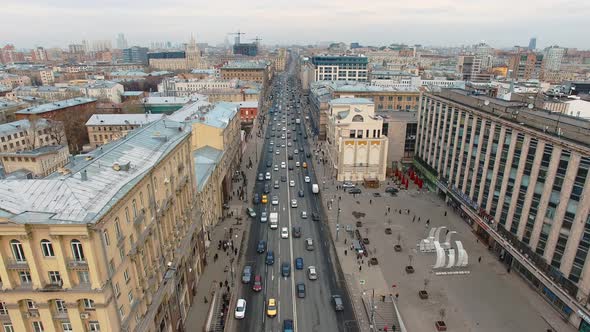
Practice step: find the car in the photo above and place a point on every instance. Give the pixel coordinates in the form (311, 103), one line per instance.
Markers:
(251, 212)
(290, 167)
(304, 164)
(260, 177)
(276, 186)
(288, 325)
(338, 303)
(283, 178)
(256, 198)
(269, 163)
(278, 152)
(266, 188)
(257, 286)
(303, 214)
(247, 274)
(348, 184)
(289, 144)
(391, 190)
(297, 164)
(272, 143)
(285, 269)
(261, 248)
(300, 290)
(282, 145)
(296, 231)
(309, 244)
(263, 216)
(354, 191)
(307, 179)
(295, 151)
(240, 312)
(376, 195)
(271, 307)
(293, 203)
(299, 263)
(284, 233)
(312, 273)
(264, 199)
(270, 257)
(275, 200)
(276, 168)
(308, 154)
(270, 149)
(292, 183)
(301, 193)
(315, 216)
(284, 128)
(283, 165)
(290, 157)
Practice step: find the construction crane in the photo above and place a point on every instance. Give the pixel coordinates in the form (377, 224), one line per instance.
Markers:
(237, 34)
(257, 40)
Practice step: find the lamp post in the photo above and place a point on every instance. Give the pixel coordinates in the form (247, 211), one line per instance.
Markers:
(338, 221)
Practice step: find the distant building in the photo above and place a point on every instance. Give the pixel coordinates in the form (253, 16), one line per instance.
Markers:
(39, 162)
(8, 107)
(178, 87)
(168, 60)
(248, 49)
(401, 129)
(12, 81)
(552, 58)
(532, 44)
(135, 54)
(340, 68)
(105, 128)
(121, 41)
(470, 68)
(356, 145)
(525, 66)
(103, 90)
(256, 71)
(23, 135)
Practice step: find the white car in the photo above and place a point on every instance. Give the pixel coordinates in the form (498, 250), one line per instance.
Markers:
(284, 128)
(297, 164)
(296, 151)
(276, 168)
(282, 145)
(263, 216)
(348, 185)
(283, 165)
(307, 179)
(293, 203)
(240, 309)
(303, 214)
(291, 183)
(278, 152)
(284, 233)
(272, 143)
(267, 176)
(289, 144)
(275, 200)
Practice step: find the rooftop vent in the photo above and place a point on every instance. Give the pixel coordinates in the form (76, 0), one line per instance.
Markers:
(84, 175)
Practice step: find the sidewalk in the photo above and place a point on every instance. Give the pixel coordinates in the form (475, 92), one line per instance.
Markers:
(215, 271)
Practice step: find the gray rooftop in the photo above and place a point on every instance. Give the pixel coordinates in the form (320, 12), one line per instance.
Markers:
(20, 125)
(245, 65)
(218, 115)
(122, 119)
(35, 152)
(206, 159)
(351, 101)
(67, 198)
(49, 107)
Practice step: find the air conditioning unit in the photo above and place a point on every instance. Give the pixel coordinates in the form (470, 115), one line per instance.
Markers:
(84, 315)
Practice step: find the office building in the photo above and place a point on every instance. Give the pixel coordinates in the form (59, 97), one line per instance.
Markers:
(180, 87)
(401, 129)
(105, 128)
(533, 44)
(121, 41)
(519, 176)
(135, 54)
(248, 49)
(108, 244)
(470, 68)
(552, 58)
(167, 60)
(356, 144)
(340, 68)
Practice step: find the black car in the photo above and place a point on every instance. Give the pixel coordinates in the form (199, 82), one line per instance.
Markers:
(300, 290)
(266, 188)
(270, 258)
(301, 193)
(290, 167)
(391, 190)
(315, 216)
(256, 199)
(290, 157)
(283, 178)
(269, 163)
(285, 269)
(261, 247)
(354, 191)
(296, 231)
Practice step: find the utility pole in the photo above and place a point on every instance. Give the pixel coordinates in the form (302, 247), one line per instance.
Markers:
(338, 221)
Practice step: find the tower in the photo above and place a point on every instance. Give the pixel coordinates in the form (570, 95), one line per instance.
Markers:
(193, 54)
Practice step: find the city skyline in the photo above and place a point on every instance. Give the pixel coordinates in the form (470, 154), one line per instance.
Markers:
(449, 23)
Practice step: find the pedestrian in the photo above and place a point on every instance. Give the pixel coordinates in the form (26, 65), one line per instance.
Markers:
(370, 201)
(400, 211)
(414, 219)
(418, 219)
(479, 259)
(396, 296)
(360, 268)
(220, 284)
(236, 251)
(345, 240)
(445, 213)
(345, 252)
(388, 209)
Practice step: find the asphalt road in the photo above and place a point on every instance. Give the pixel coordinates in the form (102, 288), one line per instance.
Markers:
(314, 312)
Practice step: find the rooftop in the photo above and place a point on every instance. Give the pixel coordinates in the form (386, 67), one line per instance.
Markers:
(49, 107)
(132, 93)
(122, 119)
(246, 104)
(35, 152)
(218, 115)
(20, 125)
(206, 158)
(128, 73)
(68, 199)
(8, 103)
(351, 101)
(245, 65)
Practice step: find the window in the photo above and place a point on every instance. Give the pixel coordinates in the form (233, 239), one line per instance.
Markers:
(25, 277)
(17, 251)
(3, 310)
(54, 277)
(88, 304)
(117, 228)
(67, 327)
(130, 296)
(8, 327)
(77, 250)
(38, 327)
(357, 118)
(60, 306)
(83, 277)
(105, 234)
(122, 252)
(121, 312)
(127, 215)
(111, 267)
(31, 304)
(134, 206)
(47, 248)
(117, 290)
(126, 275)
(93, 327)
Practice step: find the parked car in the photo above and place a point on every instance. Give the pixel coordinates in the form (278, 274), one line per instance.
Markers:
(251, 212)
(348, 184)
(354, 191)
(256, 198)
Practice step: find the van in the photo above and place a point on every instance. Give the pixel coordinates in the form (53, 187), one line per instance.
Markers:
(309, 244)
(338, 304)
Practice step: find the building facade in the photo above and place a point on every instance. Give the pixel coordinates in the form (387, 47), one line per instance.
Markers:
(357, 146)
(256, 71)
(340, 68)
(135, 54)
(105, 128)
(520, 178)
(401, 129)
(39, 162)
(525, 66)
(121, 252)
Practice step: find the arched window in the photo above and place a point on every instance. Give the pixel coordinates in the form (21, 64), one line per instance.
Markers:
(88, 303)
(17, 251)
(77, 250)
(134, 206)
(47, 248)
(127, 215)
(357, 118)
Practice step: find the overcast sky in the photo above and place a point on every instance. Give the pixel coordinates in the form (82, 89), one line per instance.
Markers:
(501, 23)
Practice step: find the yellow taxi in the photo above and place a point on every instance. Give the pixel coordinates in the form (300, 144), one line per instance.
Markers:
(304, 164)
(264, 199)
(271, 308)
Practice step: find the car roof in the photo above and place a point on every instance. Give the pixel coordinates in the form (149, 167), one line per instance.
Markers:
(241, 301)
(271, 301)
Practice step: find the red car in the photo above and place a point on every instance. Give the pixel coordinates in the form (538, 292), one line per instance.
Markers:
(257, 286)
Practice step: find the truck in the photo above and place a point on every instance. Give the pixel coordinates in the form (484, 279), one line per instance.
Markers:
(315, 188)
(274, 220)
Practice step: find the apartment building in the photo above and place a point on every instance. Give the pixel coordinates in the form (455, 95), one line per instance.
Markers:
(105, 128)
(110, 244)
(257, 71)
(47, 93)
(12, 81)
(185, 87)
(22, 135)
(103, 90)
(38, 162)
(519, 176)
(340, 68)
(357, 146)
(8, 107)
(525, 66)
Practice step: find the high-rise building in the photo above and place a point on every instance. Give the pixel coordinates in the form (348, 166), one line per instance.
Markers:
(520, 176)
(469, 67)
(552, 58)
(525, 66)
(533, 44)
(121, 41)
(340, 67)
(193, 55)
(135, 54)
(486, 55)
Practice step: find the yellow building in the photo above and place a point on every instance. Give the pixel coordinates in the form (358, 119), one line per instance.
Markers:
(105, 128)
(111, 246)
(256, 71)
(357, 146)
(38, 162)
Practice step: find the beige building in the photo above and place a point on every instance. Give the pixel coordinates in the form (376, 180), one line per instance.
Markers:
(519, 176)
(105, 128)
(24, 135)
(357, 146)
(178, 87)
(256, 71)
(109, 245)
(39, 162)
(12, 81)
(47, 93)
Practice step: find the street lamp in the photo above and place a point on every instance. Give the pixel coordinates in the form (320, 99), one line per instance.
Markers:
(338, 221)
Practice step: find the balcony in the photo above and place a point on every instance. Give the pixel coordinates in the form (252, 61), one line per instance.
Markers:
(52, 287)
(139, 219)
(14, 264)
(31, 313)
(61, 315)
(4, 317)
(77, 265)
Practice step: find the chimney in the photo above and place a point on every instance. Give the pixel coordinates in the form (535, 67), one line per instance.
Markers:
(84, 175)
